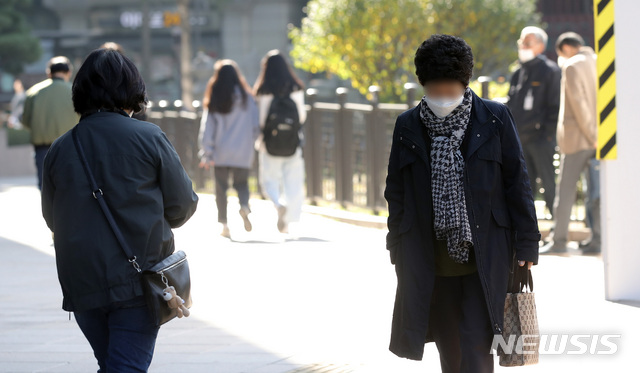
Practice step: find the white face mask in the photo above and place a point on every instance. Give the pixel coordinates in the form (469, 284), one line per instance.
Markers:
(443, 107)
(526, 55)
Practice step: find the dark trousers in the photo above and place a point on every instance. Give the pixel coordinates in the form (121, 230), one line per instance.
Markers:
(240, 184)
(123, 339)
(460, 325)
(538, 156)
(41, 151)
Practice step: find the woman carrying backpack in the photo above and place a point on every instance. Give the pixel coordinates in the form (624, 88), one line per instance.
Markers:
(280, 97)
(228, 131)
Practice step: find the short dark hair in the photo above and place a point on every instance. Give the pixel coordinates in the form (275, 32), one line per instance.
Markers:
(569, 38)
(444, 57)
(58, 64)
(276, 76)
(108, 80)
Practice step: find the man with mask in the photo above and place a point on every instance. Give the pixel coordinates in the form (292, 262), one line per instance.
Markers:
(534, 100)
(577, 140)
(48, 109)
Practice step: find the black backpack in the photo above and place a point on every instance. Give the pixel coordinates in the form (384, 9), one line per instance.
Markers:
(282, 127)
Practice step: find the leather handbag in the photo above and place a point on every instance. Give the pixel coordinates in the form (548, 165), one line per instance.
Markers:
(171, 271)
(520, 320)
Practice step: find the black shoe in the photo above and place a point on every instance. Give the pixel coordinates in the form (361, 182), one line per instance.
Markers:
(591, 249)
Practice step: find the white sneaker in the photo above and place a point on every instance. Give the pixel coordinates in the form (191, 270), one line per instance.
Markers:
(282, 223)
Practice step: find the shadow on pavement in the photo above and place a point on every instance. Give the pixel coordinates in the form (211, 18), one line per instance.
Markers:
(37, 335)
(294, 239)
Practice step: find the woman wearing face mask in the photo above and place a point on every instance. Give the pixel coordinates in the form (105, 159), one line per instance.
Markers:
(457, 189)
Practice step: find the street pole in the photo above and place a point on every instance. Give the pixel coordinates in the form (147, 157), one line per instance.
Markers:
(186, 80)
(146, 45)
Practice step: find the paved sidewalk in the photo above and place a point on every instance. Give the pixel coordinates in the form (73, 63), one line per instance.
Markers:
(318, 300)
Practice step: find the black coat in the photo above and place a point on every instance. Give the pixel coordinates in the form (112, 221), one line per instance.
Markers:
(542, 77)
(147, 191)
(500, 207)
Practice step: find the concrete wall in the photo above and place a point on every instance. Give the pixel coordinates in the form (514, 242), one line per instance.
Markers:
(16, 160)
(620, 179)
(252, 28)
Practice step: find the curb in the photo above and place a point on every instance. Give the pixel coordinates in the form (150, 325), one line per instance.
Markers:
(380, 222)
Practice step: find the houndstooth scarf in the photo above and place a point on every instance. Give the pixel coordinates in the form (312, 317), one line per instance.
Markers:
(451, 221)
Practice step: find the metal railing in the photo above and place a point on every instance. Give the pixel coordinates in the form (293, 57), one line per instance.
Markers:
(346, 147)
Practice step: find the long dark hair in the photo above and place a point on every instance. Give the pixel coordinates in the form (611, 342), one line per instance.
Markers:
(276, 76)
(221, 88)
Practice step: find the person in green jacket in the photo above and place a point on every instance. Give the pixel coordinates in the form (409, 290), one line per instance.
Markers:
(48, 109)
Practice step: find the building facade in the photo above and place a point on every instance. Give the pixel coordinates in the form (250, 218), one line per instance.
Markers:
(243, 30)
(567, 15)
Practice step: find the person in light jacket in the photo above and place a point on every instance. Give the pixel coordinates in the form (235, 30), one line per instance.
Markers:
(48, 110)
(461, 212)
(577, 140)
(281, 177)
(148, 192)
(227, 134)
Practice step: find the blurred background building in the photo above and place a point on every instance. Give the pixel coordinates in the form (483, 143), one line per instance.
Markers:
(243, 30)
(567, 15)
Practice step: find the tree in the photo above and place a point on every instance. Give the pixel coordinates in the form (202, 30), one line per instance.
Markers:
(373, 42)
(17, 46)
(186, 79)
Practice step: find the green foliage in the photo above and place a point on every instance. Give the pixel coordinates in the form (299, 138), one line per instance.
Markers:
(17, 45)
(496, 89)
(372, 42)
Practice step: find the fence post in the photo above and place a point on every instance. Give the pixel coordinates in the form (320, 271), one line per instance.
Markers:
(343, 143)
(374, 150)
(412, 90)
(199, 172)
(484, 82)
(311, 145)
(189, 129)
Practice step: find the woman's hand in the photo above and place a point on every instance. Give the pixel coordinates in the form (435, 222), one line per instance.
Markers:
(206, 165)
(521, 264)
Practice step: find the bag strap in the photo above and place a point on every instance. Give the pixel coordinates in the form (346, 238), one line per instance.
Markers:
(98, 195)
(519, 278)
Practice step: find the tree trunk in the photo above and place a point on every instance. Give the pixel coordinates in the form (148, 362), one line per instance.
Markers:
(186, 79)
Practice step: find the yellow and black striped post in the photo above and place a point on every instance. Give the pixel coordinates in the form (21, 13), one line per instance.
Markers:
(605, 41)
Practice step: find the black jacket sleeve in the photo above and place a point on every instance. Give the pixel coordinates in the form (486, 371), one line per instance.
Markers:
(394, 194)
(48, 191)
(512, 87)
(552, 104)
(180, 201)
(518, 192)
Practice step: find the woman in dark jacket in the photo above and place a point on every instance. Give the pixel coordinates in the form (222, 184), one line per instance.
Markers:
(460, 209)
(148, 192)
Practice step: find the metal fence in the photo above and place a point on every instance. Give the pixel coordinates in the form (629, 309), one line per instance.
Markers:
(346, 148)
